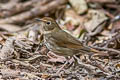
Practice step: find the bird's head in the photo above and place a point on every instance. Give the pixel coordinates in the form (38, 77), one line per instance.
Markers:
(48, 24)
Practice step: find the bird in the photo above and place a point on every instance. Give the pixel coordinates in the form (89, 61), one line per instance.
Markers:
(59, 41)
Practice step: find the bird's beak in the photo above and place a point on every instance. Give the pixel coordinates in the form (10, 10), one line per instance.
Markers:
(38, 19)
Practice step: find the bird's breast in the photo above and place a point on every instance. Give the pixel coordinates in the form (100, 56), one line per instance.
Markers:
(48, 42)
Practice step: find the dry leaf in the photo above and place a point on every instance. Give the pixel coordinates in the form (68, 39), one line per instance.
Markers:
(80, 6)
(72, 17)
(95, 20)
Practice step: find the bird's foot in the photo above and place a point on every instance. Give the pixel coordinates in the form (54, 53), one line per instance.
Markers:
(62, 67)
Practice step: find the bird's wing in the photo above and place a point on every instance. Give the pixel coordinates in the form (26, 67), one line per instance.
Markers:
(68, 41)
(64, 39)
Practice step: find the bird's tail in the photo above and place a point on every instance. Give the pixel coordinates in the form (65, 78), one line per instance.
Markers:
(97, 52)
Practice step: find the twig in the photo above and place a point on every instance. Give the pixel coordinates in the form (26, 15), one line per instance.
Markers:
(34, 57)
(94, 63)
(102, 1)
(34, 12)
(89, 68)
(48, 75)
(112, 39)
(26, 64)
(20, 7)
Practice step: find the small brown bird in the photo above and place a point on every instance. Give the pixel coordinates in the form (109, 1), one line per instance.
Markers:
(59, 41)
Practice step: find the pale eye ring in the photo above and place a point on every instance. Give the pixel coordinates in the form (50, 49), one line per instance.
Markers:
(48, 23)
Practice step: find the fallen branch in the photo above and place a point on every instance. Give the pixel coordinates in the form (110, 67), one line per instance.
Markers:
(20, 7)
(34, 12)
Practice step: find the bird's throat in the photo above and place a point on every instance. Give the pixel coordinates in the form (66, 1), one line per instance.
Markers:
(47, 32)
(50, 31)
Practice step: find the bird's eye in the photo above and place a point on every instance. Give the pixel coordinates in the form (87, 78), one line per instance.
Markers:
(48, 23)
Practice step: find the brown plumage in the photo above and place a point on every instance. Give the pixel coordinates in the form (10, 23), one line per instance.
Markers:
(59, 41)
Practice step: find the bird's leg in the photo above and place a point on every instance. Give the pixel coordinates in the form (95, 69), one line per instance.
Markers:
(71, 61)
(62, 67)
(67, 61)
(75, 61)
